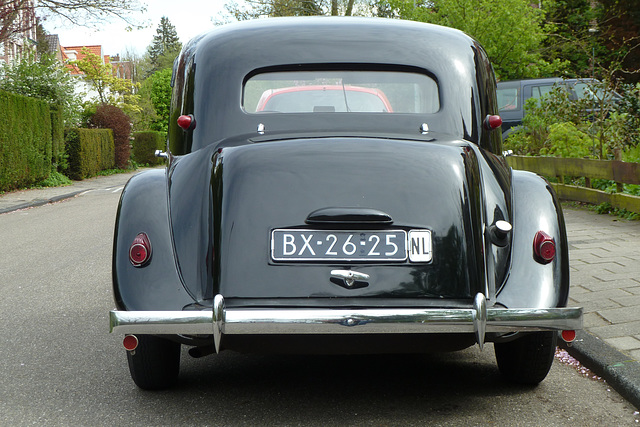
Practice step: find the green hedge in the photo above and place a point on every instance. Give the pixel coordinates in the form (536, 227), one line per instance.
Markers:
(25, 141)
(90, 151)
(145, 145)
(57, 137)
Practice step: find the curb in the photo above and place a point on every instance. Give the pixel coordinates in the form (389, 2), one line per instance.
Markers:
(618, 369)
(40, 202)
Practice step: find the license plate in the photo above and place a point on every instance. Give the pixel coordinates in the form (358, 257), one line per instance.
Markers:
(339, 245)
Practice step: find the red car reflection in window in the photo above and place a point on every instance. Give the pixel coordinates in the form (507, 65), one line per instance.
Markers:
(324, 99)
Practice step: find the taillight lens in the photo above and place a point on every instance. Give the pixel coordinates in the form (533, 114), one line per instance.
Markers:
(544, 247)
(140, 250)
(492, 122)
(187, 122)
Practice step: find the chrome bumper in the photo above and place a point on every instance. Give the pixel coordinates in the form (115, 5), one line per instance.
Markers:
(240, 321)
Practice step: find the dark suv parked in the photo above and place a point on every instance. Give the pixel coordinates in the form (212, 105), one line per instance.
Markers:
(513, 94)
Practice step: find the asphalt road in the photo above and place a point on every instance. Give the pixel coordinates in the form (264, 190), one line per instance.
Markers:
(60, 366)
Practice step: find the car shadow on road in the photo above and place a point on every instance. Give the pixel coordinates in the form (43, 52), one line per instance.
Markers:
(340, 389)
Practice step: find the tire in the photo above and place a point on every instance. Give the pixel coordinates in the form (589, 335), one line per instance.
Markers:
(155, 363)
(527, 360)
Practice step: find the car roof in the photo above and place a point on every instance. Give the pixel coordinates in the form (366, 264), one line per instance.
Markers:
(546, 80)
(219, 62)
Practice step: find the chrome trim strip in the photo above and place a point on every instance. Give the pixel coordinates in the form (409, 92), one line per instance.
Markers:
(161, 322)
(220, 321)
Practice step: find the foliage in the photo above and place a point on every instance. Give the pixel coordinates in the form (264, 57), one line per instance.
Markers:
(606, 208)
(165, 46)
(254, 9)
(570, 38)
(25, 141)
(45, 79)
(565, 140)
(77, 12)
(161, 98)
(619, 29)
(111, 117)
(111, 89)
(558, 125)
(55, 179)
(58, 154)
(90, 151)
(144, 146)
(511, 31)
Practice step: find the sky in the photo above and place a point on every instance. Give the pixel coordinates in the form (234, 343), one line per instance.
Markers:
(190, 17)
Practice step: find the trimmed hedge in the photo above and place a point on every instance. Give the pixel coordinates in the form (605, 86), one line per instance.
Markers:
(57, 137)
(25, 141)
(90, 151)
(145, 145)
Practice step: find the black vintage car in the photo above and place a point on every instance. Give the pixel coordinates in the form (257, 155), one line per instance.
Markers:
(337, 186)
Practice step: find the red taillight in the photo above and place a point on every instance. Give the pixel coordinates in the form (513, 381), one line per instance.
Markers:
(186, 122)
(140, 250)
(544, 247)
(569, 336)
(130, 342)
(492, 122)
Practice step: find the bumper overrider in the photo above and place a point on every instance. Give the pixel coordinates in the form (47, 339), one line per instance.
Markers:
(257, 321)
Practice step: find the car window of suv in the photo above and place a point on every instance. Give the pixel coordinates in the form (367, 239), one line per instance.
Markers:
(509, 97)
(539, 91)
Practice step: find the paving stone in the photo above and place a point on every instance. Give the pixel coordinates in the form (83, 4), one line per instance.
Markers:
(593, 319)
(624, 343)
(619, 330)
(628, 301)
(635, 354)
(577, 290)
(597, 306)
(599, 285)
(600, 295)
(621, 315)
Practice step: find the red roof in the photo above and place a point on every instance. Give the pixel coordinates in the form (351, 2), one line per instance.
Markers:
(95, 49)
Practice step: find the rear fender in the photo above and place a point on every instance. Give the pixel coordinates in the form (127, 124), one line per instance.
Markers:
(157, 285)
(529, 283)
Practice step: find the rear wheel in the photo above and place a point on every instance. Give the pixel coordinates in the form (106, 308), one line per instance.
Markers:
(155, 363)
(527, 360)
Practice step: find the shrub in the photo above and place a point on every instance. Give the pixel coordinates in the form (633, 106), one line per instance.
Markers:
(144, 146)
(25, 141)
(111, 117)
(90, 151)
(566, 140)
(58, 155)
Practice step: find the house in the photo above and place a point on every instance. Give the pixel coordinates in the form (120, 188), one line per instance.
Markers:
(69, 54)
(17, 35)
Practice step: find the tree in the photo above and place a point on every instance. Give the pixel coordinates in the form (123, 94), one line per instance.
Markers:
(165, 46)
(78, 12)
(619, 25)
(111, 117)
(161, 98)
(511, 31)
(110, 89)
(46, 79)
(256, 8)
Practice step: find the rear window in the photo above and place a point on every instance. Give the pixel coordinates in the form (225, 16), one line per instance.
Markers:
(341, 92)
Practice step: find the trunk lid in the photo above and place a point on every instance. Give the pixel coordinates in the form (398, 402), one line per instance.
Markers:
(340, 186)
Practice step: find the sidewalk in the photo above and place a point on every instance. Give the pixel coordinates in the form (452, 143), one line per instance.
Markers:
(604, 254)
(41, 196)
